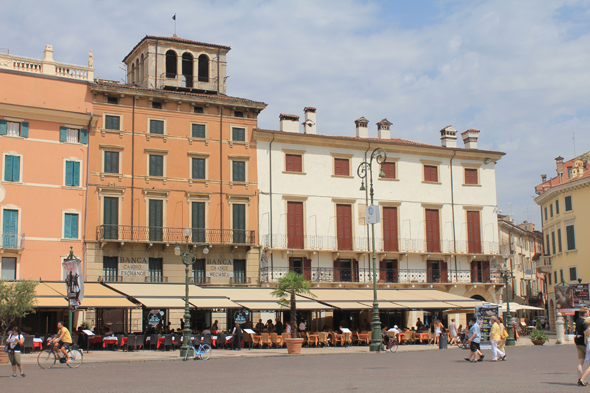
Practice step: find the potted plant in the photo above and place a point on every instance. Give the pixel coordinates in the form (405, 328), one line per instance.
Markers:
(17, 299)
(290, 285)
(538, 337)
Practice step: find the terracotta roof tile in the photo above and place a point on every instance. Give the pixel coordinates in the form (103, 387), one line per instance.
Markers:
(175, 39)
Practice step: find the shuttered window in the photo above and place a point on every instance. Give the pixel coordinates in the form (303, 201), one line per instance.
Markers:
(553, 242)
(12, 128)
(559, 240)
(239, 223)
(431, 173)
(111, 218)
(570, 234)
(293, 163)
(568, 203)
(239, 171)
(156, 165)
(341, 167)
(557, 207)
(473, 232)
(198, 130)
(238, 134)
(344, 226)
(112, 122)
(199, 271)
(388, 169)
(390, 228)
(295, 225)
(70, 226)
(110, 268)
(198, 168)
(111, 162)
(155, 266)
(471, 176)
(11, 168)
(432, 231)
(198, 221)
(156, 219)
(547, 245)
(72, 173)
(156, 127)
(239, 271)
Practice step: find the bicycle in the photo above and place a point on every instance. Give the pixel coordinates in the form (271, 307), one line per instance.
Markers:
(48, 357)
(203, 353)
(389, 345)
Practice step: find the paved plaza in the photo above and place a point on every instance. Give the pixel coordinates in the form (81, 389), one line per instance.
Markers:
(527, 369)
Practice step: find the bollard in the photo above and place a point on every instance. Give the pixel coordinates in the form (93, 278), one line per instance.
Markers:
(559, 328)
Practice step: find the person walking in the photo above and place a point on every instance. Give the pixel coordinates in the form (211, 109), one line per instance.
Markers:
(16, 341)
(473, 340)
(503, 335)
(582, 381)
(453, 332)
(580, 342)
(495, 337)
(437, 331)
(237, 337)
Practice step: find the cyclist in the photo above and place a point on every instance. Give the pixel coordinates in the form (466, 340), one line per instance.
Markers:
(63, 340)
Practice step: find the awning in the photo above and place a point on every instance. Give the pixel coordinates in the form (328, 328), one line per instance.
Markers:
(350, 305)
(47, 297)
(518, 307)
(260, 299)
(96, 295)
(158, 302)
(386, 305)
(423, 305)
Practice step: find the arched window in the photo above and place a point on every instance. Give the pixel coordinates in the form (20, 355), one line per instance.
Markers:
(203, 68)
(141, 65)
(137, 71)
(131, 76)
(187, 69)
(171, 63)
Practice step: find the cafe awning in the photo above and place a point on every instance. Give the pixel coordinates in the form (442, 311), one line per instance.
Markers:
(423, 305)
(96, 295)
(262, 299)
(161, 302)
(47, 297)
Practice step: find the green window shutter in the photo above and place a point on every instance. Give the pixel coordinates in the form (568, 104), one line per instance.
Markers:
(156, 165)
(568, 203)
(3, 127)
(24, 129)
(571, 237)
(71, 226)
(239, 134)
(111, 162)
(559, 240)
(8, 168)
(156, 127)
(67, 232)
(16, 168)
(198, 221)
(69, 173)
(239, 216)
(83, 135)
(111, 122)
(76, 173)
(63, 134)
(198, 168)
(198, 131)
(239, 171)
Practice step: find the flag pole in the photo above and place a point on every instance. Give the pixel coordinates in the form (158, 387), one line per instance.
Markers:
(174, 18)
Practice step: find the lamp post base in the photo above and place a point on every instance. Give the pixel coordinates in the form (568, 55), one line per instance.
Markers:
(375, 330)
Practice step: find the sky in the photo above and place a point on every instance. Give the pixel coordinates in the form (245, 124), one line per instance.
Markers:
(516, 70)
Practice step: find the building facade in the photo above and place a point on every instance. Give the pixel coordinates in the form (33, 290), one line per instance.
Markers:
(45, 114)
(437, 206)
(565, 214)
(165, 156)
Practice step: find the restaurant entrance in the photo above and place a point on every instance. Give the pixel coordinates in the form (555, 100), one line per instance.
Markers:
(200, 319)
(390, 318)
(346, 318)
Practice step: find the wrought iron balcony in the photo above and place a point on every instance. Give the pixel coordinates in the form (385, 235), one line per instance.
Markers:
(240, 280)
(142, 234)
(365, 275)
(12, 241)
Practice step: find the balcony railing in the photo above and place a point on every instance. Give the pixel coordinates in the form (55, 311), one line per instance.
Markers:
(543, 262)
(365, 275)
(12, 241)
(240, 280)
(47, 67)
(130, 233)
(333, 243)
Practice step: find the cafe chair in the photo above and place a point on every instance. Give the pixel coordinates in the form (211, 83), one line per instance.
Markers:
(131, 341)
(283, 337)
(265, 340)
(177, 342)
(323, 339)
(28, 344)
(220, 341)
(197, 340)
(140, 342)
(355, 338)
(346, 339)
(119, 340)
(276, 340)
(247, 337)
(207, 339)
(154, 340)
(256, 340)
(168, 341)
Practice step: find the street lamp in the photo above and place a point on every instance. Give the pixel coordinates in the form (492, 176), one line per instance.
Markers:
(188, 258)
(366, 169)
(73, 282)
(507, 276)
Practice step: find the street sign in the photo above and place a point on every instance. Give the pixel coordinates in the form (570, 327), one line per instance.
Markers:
(373, 215)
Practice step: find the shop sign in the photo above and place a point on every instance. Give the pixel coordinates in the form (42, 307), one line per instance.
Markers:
(220, 268)
(240, 317)
(154, 317)
(133, 266)
(581, 297)
(484, 319)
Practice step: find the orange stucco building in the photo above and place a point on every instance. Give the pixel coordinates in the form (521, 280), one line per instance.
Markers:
(45, 114)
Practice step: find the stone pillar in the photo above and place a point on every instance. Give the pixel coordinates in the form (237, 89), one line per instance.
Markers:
(48, 63)
(179, 71)
(559, 327)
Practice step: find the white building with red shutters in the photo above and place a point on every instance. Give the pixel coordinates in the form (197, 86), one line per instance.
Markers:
(437, 204)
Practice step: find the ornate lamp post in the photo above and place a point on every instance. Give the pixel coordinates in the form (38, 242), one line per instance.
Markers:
(507, 276)
(366, 169)
(188, 258)
(73, 282)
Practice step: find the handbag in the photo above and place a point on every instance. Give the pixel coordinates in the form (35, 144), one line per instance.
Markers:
(6, 348)
(504, 334)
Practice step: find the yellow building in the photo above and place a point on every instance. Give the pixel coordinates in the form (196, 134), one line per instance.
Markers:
(566, 222)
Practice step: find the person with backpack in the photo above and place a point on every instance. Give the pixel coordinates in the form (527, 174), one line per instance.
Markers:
(237, 337)
(16, 342)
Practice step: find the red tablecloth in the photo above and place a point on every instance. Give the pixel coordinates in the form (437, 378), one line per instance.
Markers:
(94, 340)
(38, 344)
(108, 340)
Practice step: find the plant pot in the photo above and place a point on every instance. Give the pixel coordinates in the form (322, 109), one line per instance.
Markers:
(294, 345)
(3, 357)
(538, 342)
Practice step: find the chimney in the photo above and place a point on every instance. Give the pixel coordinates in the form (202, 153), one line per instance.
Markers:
(362, 130)
(470, 138)
(309, 125)
(543, 178)
(448, 137)
(289, 123)
(383, 129)
(559, 166)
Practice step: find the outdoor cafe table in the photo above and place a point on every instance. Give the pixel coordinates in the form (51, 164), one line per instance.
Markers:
(109, 340)
(401, 337)
(38, 343)
(422, 336)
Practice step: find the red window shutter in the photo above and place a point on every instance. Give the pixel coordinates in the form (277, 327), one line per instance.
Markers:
(473, 232)
(344, 225)
(355, 270)
(341, 166)
(382, 271)
(430, 173)
(428, 271)
(444, 272)
(390, 229)
(485, 267)
(307, 268)
(474, 271)
(432, 231)
(295, 224)
(337, 270)
(388, 169)
(470, 176)
(293, 163)
(291, 264)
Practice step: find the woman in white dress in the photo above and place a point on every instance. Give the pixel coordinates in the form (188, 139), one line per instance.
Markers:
(453, 332)
(437, 329)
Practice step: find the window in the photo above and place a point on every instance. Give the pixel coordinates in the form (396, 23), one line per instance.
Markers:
(389, 226)
(293, 163)
(238, 134)
(110, 218)
(11, 168)
(559, 240)
(239, 222)
(547, 246)
(72, 173)
(341, 167)
(573, 274)
(238, 114)
(156, 219)
(431, 173)
(570, 234)
(73, 135)
(199, 109)
(551, 210)
(388, 169)
(239, 271)
(557, 207)
(198, 221)
(155, 269)
(344, 226)
(473, 232)
(156, 165)
(198, 168)
(156, 105)
(112, 100)
(14, 128)
(546, 217)
(111, 162)
(555, 277)
(553, 242)
(568, 203)
(156, 127)
(295, 225)
(561, 275)
(203, 68)
(199, 271)
(109, 268)
(239, 171)
(549, 279)
(471, 176)
(198, 131)
(112, 122)
(8, 270)
(70, 226)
